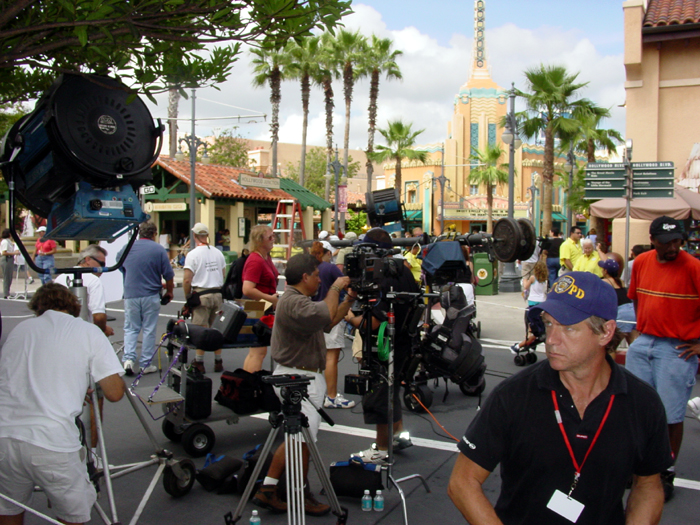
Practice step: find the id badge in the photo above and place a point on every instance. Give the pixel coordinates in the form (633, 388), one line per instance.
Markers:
(565, 506)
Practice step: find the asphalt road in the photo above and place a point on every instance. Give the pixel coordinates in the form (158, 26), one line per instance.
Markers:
(432, 455)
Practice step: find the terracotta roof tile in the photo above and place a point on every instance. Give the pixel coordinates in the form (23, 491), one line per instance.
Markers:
(662, 13)
(219, 181)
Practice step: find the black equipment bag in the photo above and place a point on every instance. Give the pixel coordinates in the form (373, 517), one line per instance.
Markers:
(230, 321)
(250, 459)
(197, 396)
(352, 478)
(205, 339)
(245, 393)
(216, 471)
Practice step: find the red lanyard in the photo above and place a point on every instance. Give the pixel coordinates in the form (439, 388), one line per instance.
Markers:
(578, 467)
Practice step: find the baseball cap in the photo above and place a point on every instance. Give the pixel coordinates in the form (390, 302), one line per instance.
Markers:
(200, 229)
(665, 229)
(577, 296)
(41, 229)
(323, 234)
(350, 236)
(327, 245)
(610, 266)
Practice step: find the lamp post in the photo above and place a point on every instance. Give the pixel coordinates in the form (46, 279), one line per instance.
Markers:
(336, 165)
(510, 280)
(569, 166)
(442, 180)
(193, 143)
(534, 177)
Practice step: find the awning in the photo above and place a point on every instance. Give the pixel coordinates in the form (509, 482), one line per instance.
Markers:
(414, 215)
(305, 197)
(556, 216)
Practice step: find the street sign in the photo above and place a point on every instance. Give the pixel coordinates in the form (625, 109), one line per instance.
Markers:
(604, 180)
(605, 184)
(644, 184)
(652, 194)
(604, 194)
(147, 190)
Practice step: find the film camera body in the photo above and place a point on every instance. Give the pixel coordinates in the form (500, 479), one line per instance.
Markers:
(367, 265)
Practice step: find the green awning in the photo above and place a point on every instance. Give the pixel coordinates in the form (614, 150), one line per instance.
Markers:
(305, 197)
(414, 215)
(556, 216)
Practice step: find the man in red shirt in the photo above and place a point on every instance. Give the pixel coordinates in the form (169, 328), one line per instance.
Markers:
(43, 254)
(665, 288)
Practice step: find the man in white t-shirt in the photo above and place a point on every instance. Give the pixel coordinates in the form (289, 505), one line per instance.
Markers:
(205, 268)
(93, 256)
(46, 366)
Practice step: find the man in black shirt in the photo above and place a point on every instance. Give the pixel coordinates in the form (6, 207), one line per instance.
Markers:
(570, 431)
(551, 246)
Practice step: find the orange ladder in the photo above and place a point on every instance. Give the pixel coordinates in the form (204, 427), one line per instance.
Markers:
(288, 213)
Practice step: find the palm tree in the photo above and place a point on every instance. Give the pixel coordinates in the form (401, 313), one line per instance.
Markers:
(303, 66)
(591, 136)
(268, 67)
(550, 109)
(400, 139)
(490, 172)
(380, 58)
(349, 50)
(326, 73)
(173, 106)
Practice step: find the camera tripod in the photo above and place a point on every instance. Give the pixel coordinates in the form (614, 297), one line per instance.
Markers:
(390, 378)
(295, 425)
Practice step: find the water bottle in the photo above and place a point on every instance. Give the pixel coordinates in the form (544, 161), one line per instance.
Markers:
(366, 501)
(255, 519)
(379, 501)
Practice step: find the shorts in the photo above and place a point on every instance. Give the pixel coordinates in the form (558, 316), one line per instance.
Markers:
(626, 319)
(655, 360)
(204, 314)
(317, 393)
(336, 337)
(375, 407)
(62, 476)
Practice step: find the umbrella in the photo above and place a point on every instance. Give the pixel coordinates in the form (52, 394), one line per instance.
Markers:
(685, 203)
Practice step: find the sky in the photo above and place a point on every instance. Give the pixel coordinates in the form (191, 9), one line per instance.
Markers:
(437, 41)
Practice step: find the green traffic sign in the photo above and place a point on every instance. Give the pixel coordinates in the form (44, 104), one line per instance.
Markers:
(652, 194)
(604, 184)
(656, 170)
(604, 194)
(644, 184)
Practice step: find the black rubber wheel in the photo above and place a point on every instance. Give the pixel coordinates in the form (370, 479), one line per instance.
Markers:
(179, 487)
(520, 360)
(531, 358)
(478, 329)
(198, 440)
(471, 390)
(423, 393)
(172, 432)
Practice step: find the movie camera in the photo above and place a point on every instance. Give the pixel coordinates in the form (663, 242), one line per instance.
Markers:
(367, 266)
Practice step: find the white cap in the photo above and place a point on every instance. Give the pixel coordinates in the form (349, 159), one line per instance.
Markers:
(350, 236)
(200, 229)
(41, 229)
(327, 245)
(334, 238)
(323, 235)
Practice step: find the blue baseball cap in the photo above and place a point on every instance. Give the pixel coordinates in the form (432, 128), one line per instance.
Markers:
(577, 296)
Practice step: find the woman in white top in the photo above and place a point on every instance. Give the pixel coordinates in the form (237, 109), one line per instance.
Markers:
(7, 261)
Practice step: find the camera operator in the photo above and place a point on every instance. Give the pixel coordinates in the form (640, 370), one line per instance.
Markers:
(374, 403)
(45, 367)
(298, 346)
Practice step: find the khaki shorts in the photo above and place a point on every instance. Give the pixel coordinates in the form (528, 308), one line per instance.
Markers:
(205, 313)
(336, 337)
(62, 476)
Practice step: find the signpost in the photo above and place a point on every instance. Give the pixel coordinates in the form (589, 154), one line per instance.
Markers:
(649, 180)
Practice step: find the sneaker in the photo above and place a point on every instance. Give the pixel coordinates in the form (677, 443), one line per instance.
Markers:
(371, 455)
(337, 402)
(515, 349)
(313, 507)
(129, 367)
(30, 280)
(267, 498)
(199, 365)
(694, 406)
(667, 477)
(149, 369)
(218, 365)
(402, 440)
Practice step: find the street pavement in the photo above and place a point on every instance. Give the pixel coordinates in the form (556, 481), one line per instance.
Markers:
(432, 455)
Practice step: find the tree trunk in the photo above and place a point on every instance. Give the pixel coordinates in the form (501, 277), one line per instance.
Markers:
(489, 208)
(547, 179)
(173, 105)
(275, 99)
(590, 147)
(328, 97)
(347, 91)
(305, 94)
(397, 176)
(372, 110)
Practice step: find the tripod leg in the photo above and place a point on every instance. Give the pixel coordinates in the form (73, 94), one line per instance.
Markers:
(392, 481)
(323, 476)
(294, 467)
(256, 472)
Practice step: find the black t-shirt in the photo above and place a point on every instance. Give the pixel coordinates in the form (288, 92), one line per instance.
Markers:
(622, 296)
(517, 429)
(553, 247)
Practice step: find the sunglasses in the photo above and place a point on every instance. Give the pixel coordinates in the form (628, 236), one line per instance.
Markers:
(101, 263)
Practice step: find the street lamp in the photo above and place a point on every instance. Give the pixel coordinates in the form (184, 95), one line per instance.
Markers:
(569, 166)
(336, 165)
(534, 179)
(510, 281)
(442, 180)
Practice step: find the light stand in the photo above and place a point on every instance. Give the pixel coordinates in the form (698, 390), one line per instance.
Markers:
(442, 180)
(337, 166)
(510, 280)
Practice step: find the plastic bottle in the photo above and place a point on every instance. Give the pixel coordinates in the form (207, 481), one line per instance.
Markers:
(379, 501)
(367, 501)
(255, 519)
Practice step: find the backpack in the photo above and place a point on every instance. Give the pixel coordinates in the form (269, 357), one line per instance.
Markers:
(233, 285)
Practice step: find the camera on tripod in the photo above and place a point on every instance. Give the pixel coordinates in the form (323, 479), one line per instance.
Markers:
(293, 388)
(367, 266)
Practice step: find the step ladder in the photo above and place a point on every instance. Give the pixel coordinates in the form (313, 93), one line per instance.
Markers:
(287, 215)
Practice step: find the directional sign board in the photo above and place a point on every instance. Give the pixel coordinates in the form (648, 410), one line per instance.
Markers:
(605, 180)
(649, 180)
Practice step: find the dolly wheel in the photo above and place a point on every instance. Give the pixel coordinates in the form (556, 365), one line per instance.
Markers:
(198, 440)
(175, 486)
(472, 390)
(172, 432)
(423, 393)
(531, 358)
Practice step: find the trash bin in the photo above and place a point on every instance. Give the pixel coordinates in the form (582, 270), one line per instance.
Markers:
(230, 257)
(487, 273)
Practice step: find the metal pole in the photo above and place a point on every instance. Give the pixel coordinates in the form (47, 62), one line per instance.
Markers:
(193, 159)
(442, 192)
(628, 199)
(510, 280)
(336, 168)
(569, 210)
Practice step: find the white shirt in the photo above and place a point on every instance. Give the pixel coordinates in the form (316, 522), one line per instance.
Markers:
(207, 264)
(45, 368)
(164, 241)
(95, 291)
(538, 291)
(6, 245)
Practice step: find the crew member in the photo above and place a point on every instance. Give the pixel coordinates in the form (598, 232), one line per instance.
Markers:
(45, 367)
(665, 289)
(205, 268)
(299, 348)
(568, 432)
(374, 404)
